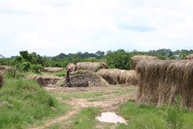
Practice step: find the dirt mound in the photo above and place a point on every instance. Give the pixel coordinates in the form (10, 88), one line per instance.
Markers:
(189, 57)
(162, 80)
(83, 78)
(37, 78)
(117, 76)
(53, 69)
(51, 79)
(137, 58)
(1, 80)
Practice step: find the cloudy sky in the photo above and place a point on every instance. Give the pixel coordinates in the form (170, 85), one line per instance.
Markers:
(51, 27)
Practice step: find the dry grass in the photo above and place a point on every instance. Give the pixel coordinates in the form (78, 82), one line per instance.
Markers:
(162, 80)
(1, 80)
(117, 76)
(51, 79)
(189, 57)
(137, 58)
(37, 78)
(91, 66)
(5, 67)
(72, 67)
(53, 69)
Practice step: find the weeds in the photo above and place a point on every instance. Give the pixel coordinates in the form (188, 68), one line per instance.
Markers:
(174, 114)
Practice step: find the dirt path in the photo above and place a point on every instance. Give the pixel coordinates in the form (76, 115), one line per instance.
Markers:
(111, 103)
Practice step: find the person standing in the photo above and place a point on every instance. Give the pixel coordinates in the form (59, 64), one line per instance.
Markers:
(67, 75)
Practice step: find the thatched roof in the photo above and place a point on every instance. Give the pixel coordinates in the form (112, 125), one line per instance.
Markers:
(37, 78)
(82, 76)
(91, 66)
(1, 80)
(189, 57)
(117, 76)
(53, 69)
(162, 80)
(137, 58)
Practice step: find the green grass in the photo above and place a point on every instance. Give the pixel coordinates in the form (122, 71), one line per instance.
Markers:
(25, 103)
(85, 119)
(70, 95)
(148, 117)
(61, 74)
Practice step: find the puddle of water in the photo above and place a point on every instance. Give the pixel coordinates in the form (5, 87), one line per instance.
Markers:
(110, 117)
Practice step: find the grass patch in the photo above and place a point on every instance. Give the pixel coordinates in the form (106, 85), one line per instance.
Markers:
(23, 103)
(148, 116)
(70, 95)
(61, 74)
(85, 119)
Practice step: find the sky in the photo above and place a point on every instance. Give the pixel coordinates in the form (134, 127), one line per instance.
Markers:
(51, 27)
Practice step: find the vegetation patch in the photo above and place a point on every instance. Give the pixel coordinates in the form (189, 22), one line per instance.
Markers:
(23, 102)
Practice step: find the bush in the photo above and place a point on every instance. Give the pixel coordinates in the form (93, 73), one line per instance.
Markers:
(36, 68)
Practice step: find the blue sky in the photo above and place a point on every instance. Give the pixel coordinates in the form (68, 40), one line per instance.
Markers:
(51, 27)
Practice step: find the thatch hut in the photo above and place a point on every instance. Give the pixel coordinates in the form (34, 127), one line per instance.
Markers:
(53, 69)
(189, 57)
(37, 78)
(91, 66)
(161, 81)
(117, 76)
(82, 78)
(1, 80)
(137, 58)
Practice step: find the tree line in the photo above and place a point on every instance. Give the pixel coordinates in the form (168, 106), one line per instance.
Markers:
(120, 59)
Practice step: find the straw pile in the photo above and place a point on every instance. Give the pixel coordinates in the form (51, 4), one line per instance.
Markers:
(189, 57)
(37, 78)
(136, 59)
(91, 66)
(1, 80)
(82, 78)
(72, 67)
(161, 81)
(117, 76)
(51, 79)
(53, 69)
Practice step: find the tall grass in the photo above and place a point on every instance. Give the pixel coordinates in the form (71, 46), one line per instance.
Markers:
(23, 102)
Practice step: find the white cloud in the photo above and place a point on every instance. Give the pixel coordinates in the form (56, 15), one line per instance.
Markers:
(50, 27)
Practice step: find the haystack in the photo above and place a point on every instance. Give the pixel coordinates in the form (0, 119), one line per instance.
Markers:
(82, 78)
(189, 57)
(53, 69)
(137, 58)
(161, 81)
(72, 67)
(51, 79)
(117, 76)
(37, 78)
(91, 66)
(1, 80)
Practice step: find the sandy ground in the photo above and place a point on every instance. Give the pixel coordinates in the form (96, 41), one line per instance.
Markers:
(110, 104)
